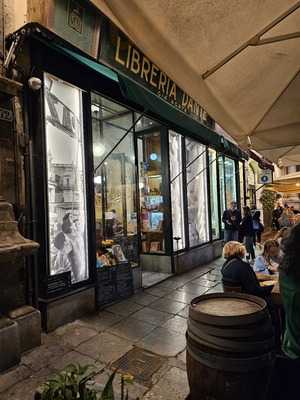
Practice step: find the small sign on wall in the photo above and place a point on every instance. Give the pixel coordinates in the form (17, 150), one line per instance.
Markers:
(265, 176)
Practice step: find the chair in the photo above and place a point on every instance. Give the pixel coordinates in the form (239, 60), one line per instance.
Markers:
(227, 288)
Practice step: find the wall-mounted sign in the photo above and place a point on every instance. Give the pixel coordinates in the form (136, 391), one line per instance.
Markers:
(6, 115)
(118, 52)
(74, 20)
(265, 176)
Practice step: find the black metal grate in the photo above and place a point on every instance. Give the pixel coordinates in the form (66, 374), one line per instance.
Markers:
(140, 363)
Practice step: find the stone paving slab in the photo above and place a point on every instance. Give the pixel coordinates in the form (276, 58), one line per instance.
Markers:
(185, 312)
(194, 288)
(24, 390)
(152, 316)
(105, 347)
(172, 386)
(74, 334)
(124, 308)
(177, 324)
(42, 356)
(132, 329)
(143, 298)
(203, 281)
(12, 376)
(159, 291)
(100, 321)
(167, 305)
(181, 296)
(164, 341)
(73, 357)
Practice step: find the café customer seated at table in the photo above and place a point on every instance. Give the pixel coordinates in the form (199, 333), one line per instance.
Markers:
(269, 261)
(238, 273)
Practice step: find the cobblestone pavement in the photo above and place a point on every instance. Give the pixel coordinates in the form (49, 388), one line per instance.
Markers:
(153, 320)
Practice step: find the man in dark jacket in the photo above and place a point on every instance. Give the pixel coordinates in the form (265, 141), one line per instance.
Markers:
(231, 219)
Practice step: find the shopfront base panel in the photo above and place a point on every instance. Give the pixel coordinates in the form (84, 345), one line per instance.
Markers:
(59, 311)
(156, 263)
(198, 256)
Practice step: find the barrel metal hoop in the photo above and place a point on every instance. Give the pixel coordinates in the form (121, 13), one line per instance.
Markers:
(231, 364)
(265, 327)
(226, 344)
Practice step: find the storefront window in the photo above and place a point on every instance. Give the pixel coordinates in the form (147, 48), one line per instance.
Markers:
(152, 200)
(115, 183)
(214, 194)
(197, 192)
(66, 179)
(221, 184)
(242, 183)
(144, 123)
(230, 180)
(176, 181)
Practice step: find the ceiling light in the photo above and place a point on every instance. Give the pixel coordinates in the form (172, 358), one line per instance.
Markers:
(98, 149)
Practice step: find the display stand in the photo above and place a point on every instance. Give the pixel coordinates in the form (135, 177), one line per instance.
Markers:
(113, 283)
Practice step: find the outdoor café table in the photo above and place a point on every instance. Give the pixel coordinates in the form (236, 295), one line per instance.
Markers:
(276, 290)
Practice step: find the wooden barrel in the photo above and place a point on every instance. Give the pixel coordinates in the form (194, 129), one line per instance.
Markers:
(230, 347)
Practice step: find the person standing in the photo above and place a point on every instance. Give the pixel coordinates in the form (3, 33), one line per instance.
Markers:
(231, 219)
(276, 214)
(257, 227)
(247, 232)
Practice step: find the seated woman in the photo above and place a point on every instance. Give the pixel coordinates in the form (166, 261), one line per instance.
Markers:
(269, 261)
(236, 272)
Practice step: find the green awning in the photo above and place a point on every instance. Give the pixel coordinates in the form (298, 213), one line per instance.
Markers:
(95, 66)
(178, 120)
(152, 104)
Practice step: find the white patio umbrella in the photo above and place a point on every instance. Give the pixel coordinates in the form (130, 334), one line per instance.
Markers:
(239, 59)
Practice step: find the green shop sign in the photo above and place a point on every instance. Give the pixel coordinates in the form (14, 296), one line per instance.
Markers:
(118, 52)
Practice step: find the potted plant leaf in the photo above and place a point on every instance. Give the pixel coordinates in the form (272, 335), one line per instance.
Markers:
(74, 383)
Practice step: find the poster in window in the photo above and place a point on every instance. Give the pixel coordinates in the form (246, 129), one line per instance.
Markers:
(66, 179)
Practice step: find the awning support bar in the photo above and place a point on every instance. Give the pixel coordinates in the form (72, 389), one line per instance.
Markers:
(119, 141)
(253, 39)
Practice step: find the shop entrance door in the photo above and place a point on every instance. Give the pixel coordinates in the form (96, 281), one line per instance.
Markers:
(153, 203)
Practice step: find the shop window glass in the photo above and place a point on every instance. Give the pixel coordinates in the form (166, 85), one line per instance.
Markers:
(230, 180)
(222, 185)
(115, 183)
(176, 179)
(242, 183)
(152, 199)
(66, 179)
(215, 218)
(197, 192)
(144, 123)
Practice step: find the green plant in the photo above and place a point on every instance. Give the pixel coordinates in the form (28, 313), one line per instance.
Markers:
(70, 384)
(268, 199)
(73, 384)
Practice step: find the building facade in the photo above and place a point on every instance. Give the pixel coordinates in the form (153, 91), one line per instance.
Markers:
(126, 179)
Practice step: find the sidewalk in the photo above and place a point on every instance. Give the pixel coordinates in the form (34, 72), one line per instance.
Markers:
(147, 331)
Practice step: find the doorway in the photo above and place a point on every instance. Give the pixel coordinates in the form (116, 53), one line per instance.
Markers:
(153, 199)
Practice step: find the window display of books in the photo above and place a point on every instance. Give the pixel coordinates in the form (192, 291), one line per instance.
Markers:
(110, 254)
